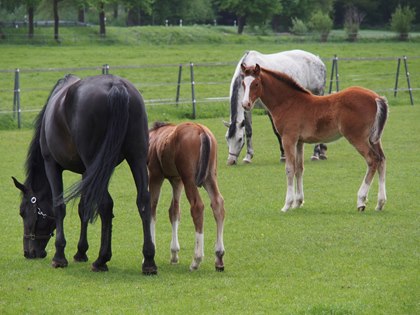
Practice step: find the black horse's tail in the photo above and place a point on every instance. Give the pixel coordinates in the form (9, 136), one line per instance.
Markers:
(203, 164)
(95, 181)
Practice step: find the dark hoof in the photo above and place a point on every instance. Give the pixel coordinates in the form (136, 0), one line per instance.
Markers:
(220, 268)
(62, 263)
(282, 159)
(149, 269)
(322, 157)
(361, 209)
(99, 268)
(80, 257)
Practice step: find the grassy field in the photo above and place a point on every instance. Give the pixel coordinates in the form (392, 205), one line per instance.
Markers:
(325, 258)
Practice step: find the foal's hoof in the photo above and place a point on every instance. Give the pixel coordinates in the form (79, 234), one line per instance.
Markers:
(61, 263)
(99, 268)
(282, 159)
(80, 257)
(314, 158)
(220, 268)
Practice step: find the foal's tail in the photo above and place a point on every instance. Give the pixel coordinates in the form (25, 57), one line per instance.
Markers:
(380, 120)
(204, 162)
(94, 185)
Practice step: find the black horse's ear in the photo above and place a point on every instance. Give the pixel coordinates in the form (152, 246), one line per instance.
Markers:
(19, 186)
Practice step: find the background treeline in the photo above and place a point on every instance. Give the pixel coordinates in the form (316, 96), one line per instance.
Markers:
(262, 15)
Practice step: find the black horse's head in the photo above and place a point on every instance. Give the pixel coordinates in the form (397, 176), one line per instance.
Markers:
(38, 221)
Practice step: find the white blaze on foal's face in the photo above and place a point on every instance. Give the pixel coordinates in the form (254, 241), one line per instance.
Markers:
(246, 101)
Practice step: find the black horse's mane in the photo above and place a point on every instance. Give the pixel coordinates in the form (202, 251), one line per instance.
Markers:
(286, 79)
(35, 162)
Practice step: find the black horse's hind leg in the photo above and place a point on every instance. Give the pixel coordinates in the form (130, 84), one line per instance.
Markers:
(106, 215)
(83, 245)
(282, 156)
(139, 170)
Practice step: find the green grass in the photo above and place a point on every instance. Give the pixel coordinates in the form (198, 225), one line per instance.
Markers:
(325, 258)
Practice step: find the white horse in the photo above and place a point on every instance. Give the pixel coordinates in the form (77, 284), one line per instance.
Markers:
(306, 68)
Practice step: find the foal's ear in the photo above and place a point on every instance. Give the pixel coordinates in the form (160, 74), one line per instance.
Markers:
(257, 69)
(20, 186)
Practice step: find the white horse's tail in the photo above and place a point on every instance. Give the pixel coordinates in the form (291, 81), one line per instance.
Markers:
(380, 120)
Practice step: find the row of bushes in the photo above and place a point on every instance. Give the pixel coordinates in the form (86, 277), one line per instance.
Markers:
(322, 23)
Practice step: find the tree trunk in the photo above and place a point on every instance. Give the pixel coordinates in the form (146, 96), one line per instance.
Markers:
(31, 10)
(56, 19)
(102, 31)
(81, 15)
(241, 24)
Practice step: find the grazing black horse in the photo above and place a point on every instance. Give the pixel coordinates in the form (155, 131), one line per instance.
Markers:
(88, 127)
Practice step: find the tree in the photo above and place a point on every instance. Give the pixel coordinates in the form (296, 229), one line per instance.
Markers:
(255, 12)
(401, 21)
(56, 19)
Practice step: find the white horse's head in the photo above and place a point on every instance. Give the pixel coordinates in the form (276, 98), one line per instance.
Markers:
(235, 138)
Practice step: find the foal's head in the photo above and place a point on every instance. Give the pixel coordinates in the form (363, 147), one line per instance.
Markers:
(252, 85)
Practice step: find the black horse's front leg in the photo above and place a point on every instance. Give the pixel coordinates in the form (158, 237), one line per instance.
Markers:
(59, 259)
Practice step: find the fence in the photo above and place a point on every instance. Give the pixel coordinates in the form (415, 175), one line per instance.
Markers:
(209, 82)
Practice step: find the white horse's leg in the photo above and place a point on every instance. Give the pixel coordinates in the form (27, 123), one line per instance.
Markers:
(248, 133)
(299, 176)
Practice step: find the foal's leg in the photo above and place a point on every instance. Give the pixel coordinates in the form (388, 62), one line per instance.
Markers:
(381, 173)
(299, 175)
(218, 206)
(175, 217)
(371, 158)
(290, 150)
(105, 253)
(83, 245)
(197, 208)
(248, 134)
(155, 185)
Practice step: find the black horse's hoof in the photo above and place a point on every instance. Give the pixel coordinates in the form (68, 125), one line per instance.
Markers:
(59, 263)
(149, 270)
(220, 268)
(99, 268)
(80, 257)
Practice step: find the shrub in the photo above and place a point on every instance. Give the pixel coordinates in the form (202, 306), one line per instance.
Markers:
(321, 23)
(298, 27)
(401, 21)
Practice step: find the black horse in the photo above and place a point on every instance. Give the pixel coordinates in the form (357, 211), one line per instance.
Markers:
(88, 127)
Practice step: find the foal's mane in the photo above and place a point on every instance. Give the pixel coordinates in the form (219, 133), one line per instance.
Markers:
(286, 79)
(158, 124)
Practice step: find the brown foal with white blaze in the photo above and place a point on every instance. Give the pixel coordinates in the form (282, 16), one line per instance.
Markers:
(186, 155)
(300, 117)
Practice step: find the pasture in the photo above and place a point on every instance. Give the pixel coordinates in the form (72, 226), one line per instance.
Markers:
(324, 258)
